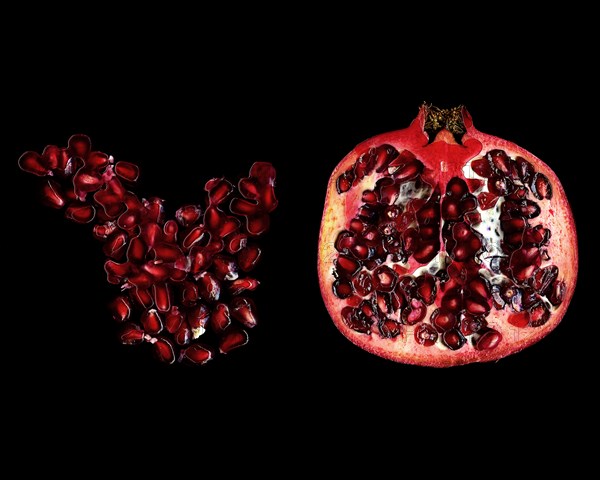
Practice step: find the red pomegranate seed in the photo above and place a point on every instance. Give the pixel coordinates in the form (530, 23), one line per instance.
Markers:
(80, 212)
(151, 322)
(470, 324)
(557, 292)
(131, 334)
(197, 318)
(189, 293)
(232, 337)
(225, 267)
(163, 350)
(197, 235)
(487, 200)
(167, 252)
(488, 340)
(173, 320)
(51, 158)
(85, 181)
(248, 257)
(236, 242)
(136, 252)
(453, 339)
(127, 171)
(151, 233)
(188, 215)
(426, 288)
(425, 335)
(218, 190)
(242, 284)
(474, 184)
(32, 162)
(52, 195)
(158, 271)
(200, 259)
(170, 228)
(183, 336)
(243, 310)
(119, 270)
(162, 296)
(209, 288)
(143, 297)
(120, 308)
(79, 145)
(540, 186)
(443, 320)
(197, 354)
(129, 219)
(154, 210)
(97, 161)
(104, 230)
(220, 318)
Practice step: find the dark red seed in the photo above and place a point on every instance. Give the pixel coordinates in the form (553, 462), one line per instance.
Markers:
(456, 188)
(414, 312)
(136, 252)
(489, 340)
(183, 336)
(220, 318)
(196, 236)
(426, 251)
(32, 162)
(476, 305)
(543, 278)
(243, 284)
(426, 288)
(151, 322)
(453, 339)
(143, 297)
(162, 296)
(389, 328)
(474, 184)
(119, 270)
(209, 287)
(170, 230)
(197, 354)
(127, 171)
(470, 324)
(482, 167)
(425, 335)
(218, 190)
(520, 320)
(173, 320)
(131, 334)
(120, 308)
(236, 242)
(363, 283)
(370, 197)
(51, 157)
(244, 311)
(139, 278)
(151, 233)
(52, 195)
(232, 337)
(167, 252)
(197, 318)
(163, 350)
(540, 186)
(86, 181)
(538, 315)
(79, 145)
(450, 209)
(525, 170)
(499, 162)
(158, 271)
(487, 200)
(188, 215)
(443, 320)
(225, 267)
(557, 292)
(80, 212)
(384, 279)
(409, 171)
(347, 265)
(342, 288)
(500, 186)
(248, 257)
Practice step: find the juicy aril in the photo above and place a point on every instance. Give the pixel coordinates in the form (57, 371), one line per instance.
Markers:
(186, 281)
(441, 245)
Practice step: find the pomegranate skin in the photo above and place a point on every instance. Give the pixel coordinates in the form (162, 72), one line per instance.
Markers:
(445, 156)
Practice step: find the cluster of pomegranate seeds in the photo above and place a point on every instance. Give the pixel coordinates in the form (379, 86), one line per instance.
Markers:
(185, 282)
(472, 245)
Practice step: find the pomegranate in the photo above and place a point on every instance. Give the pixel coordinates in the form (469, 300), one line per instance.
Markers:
(185, 282)
(441, 245)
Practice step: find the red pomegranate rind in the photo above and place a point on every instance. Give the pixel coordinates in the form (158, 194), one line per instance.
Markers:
(183, 280)
(478, 230)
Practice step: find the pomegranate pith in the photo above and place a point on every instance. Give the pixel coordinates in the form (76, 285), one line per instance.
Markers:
(441, 245)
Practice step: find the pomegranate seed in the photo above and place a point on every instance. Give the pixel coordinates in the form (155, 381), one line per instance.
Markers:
(557, 292)
(384, 278)
(257, 224)
(85, 181)
(163, 350)
(197, 235)
(220, 318)
(347, 265)
(189, 293)
(200, 259)
(426, 288)
(237, 242)
(197, 354)
(188, 215)
(482, 167)
(170, 228)
(154, 210)
(243, 310)
(151, 322)
(209, 288)
(443, 320)
(120, 308)
(151, 233)
(248, 257)
(139, 278)
(453, 339)
(173, 320)
(136, 252)
(162, 296)
(183, 336)
(225, 267)
(218, 190)
(52, 195)
(143, 297)
(167, 252)
(342, 288)
(389, 328)
(104, 230)
(540, 186)
(157, 271)
(127, 171)
(197, 318)
(79, 145)
(131, 334)
(344, 181)
(470, 324)
(242, 284)
(488, 340)
(80, 212)
(52, 158)
(119, 270)
(425, 335)
(487, 200)
(32, 162)
(232, 337)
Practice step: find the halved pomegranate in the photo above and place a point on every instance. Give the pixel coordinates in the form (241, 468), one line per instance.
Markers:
(441, 245)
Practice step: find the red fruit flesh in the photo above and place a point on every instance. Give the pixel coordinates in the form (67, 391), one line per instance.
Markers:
(185, 281)
(471, 235)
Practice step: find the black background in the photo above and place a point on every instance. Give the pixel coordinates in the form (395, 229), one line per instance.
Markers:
(186, 111)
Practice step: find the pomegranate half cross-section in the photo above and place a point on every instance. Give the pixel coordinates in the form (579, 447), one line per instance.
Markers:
(441, 245)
